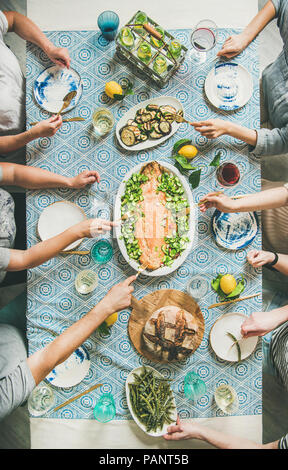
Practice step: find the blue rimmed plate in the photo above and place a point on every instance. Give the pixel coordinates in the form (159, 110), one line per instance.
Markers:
(228, 86)
(53, 84)
(236, 230)
(72, 371)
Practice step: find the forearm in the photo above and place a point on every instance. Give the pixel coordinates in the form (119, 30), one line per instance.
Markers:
(225, 441)
(278, 316)
(242, 133)
(31, 177)
(10, 143)
(43, 361)
(265, 15)
(282, 264)
(43, 251)
(269, 199)
(27, 30)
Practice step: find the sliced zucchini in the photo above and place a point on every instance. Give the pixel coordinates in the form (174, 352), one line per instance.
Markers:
(138, 119)
(127, 136)
(135, 130)
(152, 107)
(165, 127)
(146, 117)
(167, 109)
(180, 112)
(143, 137)
(155, 135)
(141, 111)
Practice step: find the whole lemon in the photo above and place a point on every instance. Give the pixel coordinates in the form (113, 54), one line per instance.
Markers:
(113, 88)
(188, 151)
(228, 283)
(111, 319)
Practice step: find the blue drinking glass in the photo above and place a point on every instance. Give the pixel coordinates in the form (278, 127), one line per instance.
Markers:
(102, 251)
(194, 387)
(108, 22)
(105, 409)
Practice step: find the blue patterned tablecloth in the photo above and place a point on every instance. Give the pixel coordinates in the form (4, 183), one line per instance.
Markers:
(53, 302)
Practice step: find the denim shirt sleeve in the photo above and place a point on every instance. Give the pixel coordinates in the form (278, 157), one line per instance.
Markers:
(270, 142)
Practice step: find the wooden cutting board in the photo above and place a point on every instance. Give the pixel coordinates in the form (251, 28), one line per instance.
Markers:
(143, 309)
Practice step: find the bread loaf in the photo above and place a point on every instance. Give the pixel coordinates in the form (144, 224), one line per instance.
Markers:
(170, 333)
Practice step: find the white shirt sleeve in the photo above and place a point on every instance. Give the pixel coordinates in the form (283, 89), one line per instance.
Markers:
(3, 24)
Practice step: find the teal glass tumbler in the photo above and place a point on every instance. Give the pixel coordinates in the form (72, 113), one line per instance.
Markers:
(108, 22)
(105, 409)
(194, 387)
(102, 251)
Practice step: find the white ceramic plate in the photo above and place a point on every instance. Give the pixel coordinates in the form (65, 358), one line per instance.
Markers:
(53, 84)
(58, 217)
(228, 86)
(234, 230)
(221, 343)
(130, 379)
(149, 143)
(72, 371)
(163, 271)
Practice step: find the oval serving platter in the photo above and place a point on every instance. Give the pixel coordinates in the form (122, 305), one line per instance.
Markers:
(56, 218)
(53, 84)
(72, 371)
(165, 270)
(163, 100)
(228, 86)
(130, 379)
(234, 230)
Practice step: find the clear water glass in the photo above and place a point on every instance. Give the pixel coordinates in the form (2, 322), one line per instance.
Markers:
(102, 251)
(197, 287)
(103, 121)
(203, 39)
(108, 23)
(194, 387)
(105, 409)
(226, 399)
(41, 400)
(86, 281)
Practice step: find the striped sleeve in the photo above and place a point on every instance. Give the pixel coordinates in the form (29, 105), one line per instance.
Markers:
(283, 443)
(279, 353)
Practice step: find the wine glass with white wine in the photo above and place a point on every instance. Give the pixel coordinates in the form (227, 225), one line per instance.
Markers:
(226, 399)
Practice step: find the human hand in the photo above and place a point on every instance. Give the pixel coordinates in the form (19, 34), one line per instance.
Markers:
(222, 202)
(119, 296)
(46, 128)
(58, 55)
(180, 431)
(91, 228)
(212, 128)
(258, 258)
(233, 46)
(259, 324)
(84, 178)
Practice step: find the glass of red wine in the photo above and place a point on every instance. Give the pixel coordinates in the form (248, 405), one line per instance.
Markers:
(203, 39)
(228, 174)
(108, 22)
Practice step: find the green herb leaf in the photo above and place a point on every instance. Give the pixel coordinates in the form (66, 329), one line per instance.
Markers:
(184, 162)
(194, 178)
(215, 284)
(238, 289)
(118, 97)
(216, 160)
(181, 169)
(179, 144)
(104, 329)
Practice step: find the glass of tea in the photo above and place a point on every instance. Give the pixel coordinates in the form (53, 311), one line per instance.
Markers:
(228, 174)
(108, 23)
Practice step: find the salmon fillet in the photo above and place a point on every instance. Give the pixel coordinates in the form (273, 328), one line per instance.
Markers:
(156, 223)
